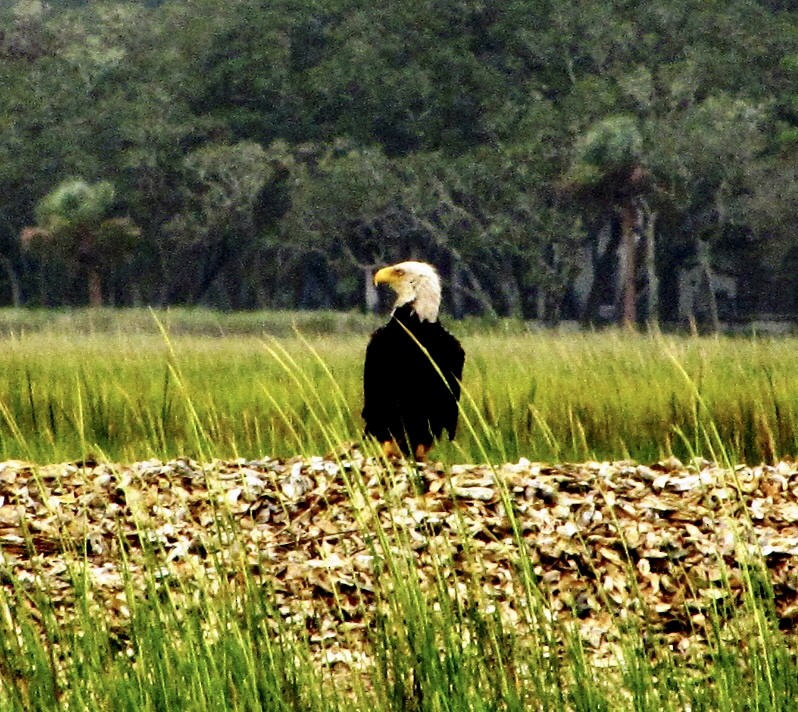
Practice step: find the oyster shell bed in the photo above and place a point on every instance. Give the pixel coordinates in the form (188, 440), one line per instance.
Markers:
(672, 543)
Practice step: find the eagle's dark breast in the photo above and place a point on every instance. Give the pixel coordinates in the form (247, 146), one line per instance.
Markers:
(406, 399)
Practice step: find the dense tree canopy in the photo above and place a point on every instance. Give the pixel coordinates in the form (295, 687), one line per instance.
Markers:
(273, 153)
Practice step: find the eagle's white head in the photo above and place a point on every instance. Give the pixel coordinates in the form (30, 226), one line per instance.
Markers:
(415, 283)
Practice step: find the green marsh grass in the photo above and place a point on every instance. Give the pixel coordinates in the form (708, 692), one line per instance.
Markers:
(101, 388)
(133, 393)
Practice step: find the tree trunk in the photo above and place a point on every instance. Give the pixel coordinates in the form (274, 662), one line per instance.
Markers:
(652, 295)
(13, 280)
(477, 292)
(511, 292)
(473, 288)
(261, 295)
(213, 267)
(628, 252)
(42, 284)
(136, 300)
(706, 267)
(540, 303)
(456, 288)
(95, 288)
(371, 295)
(604, 247)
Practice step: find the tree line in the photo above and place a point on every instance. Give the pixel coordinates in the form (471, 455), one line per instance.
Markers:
(253, 154)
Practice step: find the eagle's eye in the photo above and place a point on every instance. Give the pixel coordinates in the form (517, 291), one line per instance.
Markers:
(399, 273)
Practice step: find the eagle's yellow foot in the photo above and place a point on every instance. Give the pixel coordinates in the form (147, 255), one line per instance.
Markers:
(391, 450)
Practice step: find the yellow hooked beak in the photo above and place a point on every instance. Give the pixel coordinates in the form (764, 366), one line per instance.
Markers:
(387, 275)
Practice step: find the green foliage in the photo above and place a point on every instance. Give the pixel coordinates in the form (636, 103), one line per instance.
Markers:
(225, 182)
(74, 223)
(75, 228)
(705, 161)
(338, 189)
(75, 206)
(614, 144)
(343, 112)
(789, 137)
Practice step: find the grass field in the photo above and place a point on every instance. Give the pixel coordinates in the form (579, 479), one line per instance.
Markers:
(211, 628)
(115, 386)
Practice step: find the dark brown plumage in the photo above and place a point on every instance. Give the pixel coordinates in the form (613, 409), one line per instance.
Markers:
(413, 368)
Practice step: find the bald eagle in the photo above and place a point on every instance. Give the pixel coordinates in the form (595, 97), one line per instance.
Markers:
(413, 368)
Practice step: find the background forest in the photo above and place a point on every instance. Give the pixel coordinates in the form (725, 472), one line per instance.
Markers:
(249, 154)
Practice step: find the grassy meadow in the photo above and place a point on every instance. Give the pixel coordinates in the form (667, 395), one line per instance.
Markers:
(126, 387)
(136, 385)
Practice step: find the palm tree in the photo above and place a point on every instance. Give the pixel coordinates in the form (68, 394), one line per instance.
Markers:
(608, 173)
(74, 225)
